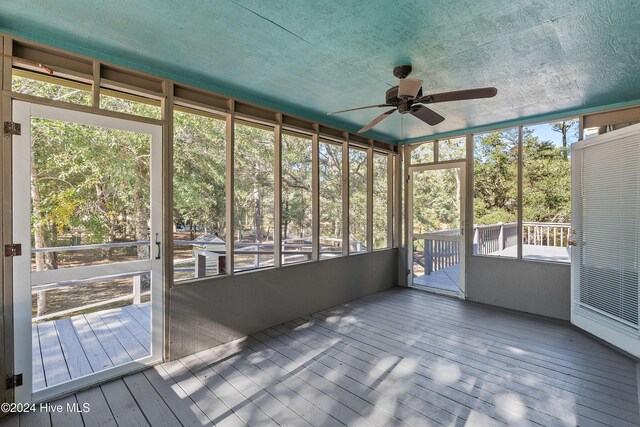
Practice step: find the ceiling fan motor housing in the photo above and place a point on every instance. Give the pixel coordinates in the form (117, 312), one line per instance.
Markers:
(402, 71)
(391, 97)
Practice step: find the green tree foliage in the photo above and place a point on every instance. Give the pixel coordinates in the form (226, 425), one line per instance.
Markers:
(254, 183)
(85, 180)
(94, 182)
(495, 177)
(546, 190)
(380, 192)
(330, 162)
(199, 172)
(358, 196)
(296, 186)
(436, 200)
(546, 185)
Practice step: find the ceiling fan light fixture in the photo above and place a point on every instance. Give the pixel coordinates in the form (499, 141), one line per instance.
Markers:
(409, 88)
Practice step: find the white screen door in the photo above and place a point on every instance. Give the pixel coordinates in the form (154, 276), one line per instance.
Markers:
(87, 213)
(436, 214)
(606, 224)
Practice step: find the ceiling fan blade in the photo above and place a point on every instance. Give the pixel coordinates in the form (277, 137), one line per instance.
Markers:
(409, 88)
(359, 108)
(427, 115)
(377, 120)
(459, 95)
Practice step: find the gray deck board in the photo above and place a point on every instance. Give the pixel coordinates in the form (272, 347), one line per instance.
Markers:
(527, 359)
(183, 407)
(562, 361)
(80, 345)
(139, 317)
(267, 402)
(502, 372)
(427, 385)
(55, 366)
(568, 343)
(69, 417)
(399, 357)
(10, 421)
(369, 377)
(157, 412)
(204, 398)
(241, 405)
(369, 404)
(123, 405)
(111, 345)
(97, 356)
(133, 326)
(74, 355)
(291, 391)
(100, 414)
(37, 366)
(34, 419)
(124, 335)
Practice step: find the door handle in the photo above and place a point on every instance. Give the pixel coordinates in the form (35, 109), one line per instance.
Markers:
(159, 246)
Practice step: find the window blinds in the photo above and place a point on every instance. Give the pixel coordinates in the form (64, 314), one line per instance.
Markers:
(607, 231)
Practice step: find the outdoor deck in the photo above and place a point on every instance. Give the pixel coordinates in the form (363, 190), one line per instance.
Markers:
(69, 348)
(445, 279)
(399, 357)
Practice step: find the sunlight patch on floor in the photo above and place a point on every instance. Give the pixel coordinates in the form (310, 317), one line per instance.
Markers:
(510, 407)
(516, 350)
(446, 372)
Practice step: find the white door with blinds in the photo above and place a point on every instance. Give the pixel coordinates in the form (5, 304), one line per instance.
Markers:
(606, 227)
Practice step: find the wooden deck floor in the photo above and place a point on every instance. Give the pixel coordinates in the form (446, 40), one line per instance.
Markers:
(399, 357)
(73, 347)
(446, 279)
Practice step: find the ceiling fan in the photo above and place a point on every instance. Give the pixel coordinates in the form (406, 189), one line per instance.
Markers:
(407, 98)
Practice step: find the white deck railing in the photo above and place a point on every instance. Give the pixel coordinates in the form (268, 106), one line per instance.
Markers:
(207, 261)
(490, 239)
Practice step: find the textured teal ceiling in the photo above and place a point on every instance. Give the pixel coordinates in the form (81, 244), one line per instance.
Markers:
(312, 57)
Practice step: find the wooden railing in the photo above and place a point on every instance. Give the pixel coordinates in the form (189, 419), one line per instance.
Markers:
(489, 239)
(440, 254)
(546, 233)
(206, 261)
(492, 238)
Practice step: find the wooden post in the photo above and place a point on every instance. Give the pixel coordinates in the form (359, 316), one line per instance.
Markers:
(428, 256)
(136, 289)
(501, 237)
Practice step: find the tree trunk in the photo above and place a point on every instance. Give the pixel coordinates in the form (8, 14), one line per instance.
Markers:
(38, 223)
(141, 211)
(285, 223)
(51, 258)
(38, 232)
(256, 199)
(141, 223)
(564, 129)
(101, 199)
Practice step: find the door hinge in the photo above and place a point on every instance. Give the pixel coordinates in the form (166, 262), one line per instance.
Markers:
(14, 249)
(12, 128)
(13, 381)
